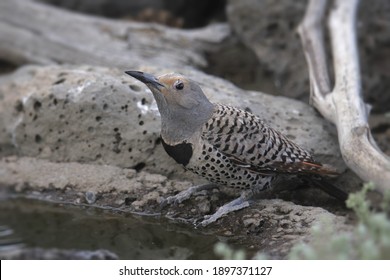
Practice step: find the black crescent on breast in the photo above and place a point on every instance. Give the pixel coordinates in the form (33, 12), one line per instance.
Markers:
(181, 153)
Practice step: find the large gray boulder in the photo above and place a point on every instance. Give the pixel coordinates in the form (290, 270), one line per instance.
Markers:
(101, 115)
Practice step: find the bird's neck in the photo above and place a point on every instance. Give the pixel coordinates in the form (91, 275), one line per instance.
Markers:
(179, 128)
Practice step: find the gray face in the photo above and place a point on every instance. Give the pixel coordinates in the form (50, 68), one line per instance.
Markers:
(182, 104)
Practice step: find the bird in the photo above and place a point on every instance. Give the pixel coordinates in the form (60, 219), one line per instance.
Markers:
(229, 147)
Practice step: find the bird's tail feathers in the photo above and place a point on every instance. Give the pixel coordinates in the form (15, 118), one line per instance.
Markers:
(325, 185)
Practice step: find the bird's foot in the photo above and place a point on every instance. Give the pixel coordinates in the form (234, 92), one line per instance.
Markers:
(185, 195)
(235, 205)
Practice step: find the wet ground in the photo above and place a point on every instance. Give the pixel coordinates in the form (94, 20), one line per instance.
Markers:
(40, 221)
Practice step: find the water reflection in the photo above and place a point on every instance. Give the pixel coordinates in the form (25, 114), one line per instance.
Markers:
(8, 240)
(32, 223)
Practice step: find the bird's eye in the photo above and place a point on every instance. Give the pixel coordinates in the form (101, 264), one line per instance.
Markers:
(179, 85)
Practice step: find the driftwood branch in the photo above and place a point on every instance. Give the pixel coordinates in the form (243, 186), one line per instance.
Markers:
(342, 104)
(34, 32)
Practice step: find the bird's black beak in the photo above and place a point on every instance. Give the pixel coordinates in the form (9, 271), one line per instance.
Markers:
(146, 78)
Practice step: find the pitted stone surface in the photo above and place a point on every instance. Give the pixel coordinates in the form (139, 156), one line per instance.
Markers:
(99, 115)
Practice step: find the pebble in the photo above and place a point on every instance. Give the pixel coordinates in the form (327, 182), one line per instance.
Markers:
(90, 197)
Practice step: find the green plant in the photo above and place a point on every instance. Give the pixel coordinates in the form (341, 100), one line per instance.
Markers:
(224, 251)
(369, 239)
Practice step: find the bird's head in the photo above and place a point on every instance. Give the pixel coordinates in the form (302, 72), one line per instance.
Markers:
(177, 91)
(181, 101)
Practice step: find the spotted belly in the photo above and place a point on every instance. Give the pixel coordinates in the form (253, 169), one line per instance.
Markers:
(210, 163)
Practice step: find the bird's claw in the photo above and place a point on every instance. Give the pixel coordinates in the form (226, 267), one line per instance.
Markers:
(184, 195)
(235, 205)
(174, 199)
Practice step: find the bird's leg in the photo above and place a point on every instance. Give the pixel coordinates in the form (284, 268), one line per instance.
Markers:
(239, 203)
(186, 194)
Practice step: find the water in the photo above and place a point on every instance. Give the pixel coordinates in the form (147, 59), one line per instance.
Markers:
(31, 223)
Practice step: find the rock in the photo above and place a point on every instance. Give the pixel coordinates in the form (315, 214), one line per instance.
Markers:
(85, 179)
(374, 40)
(275, 222)
(179, 13)
(269, 29)
(57, 254)
(101, 116)
(76, 183)
(81, 115)
(380, 128)
(152, 179)
(203, 205)
(33, 32)
(90, 197)
(130, 173)
(107, 7)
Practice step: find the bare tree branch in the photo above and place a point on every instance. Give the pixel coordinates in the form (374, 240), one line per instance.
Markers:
(343, 105)
(311, 33)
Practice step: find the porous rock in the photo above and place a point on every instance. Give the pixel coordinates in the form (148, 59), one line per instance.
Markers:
(93, 184)
(100, 115)
(269, 29)
(281, 224)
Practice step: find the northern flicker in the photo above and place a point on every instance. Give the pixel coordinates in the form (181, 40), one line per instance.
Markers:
(230, 147)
